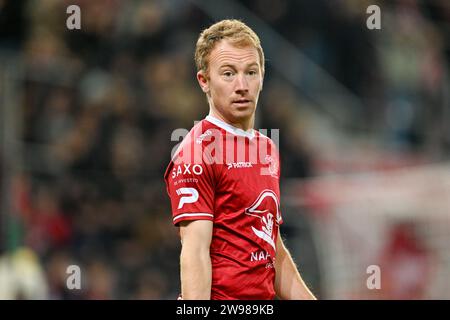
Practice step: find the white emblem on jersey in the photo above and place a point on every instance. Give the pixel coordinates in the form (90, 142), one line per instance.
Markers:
(265, 215)
(190, 195)
(273, 166)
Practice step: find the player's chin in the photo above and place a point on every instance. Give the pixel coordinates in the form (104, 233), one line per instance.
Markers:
(245, 110)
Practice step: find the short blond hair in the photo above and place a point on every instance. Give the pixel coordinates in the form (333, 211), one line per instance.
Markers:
(237, 32)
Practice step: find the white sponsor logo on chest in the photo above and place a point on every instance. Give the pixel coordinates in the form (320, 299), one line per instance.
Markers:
(184, 169)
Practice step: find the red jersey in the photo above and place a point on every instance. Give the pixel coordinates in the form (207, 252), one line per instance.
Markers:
(231, 177)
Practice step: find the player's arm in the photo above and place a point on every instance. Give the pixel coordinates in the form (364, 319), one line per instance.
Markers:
(195, 260)
(289, 285)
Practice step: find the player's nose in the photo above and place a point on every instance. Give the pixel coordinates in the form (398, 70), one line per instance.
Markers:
(241, 83)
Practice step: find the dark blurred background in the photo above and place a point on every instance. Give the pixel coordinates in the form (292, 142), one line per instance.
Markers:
(86, 118)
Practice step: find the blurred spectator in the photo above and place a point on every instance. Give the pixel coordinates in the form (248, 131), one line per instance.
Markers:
(406, 265)
(21, 276)
(47, 228)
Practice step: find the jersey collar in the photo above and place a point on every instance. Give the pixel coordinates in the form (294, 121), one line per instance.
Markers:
(250, 133)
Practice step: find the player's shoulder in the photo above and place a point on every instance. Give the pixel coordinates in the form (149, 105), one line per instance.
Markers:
(198, 136)
(190, 152)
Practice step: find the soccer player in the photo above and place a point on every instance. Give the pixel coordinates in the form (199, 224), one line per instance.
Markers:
(223, 181)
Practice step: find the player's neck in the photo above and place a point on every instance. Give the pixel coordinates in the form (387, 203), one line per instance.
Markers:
(245, 125)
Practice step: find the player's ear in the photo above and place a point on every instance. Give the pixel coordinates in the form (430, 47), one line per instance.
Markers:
(202, 79)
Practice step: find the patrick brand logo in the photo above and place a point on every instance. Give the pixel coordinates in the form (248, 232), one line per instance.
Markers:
(203, 136)
(238, 165)
(266, 208)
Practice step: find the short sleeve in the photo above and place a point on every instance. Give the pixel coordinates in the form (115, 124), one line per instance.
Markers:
(190, 187)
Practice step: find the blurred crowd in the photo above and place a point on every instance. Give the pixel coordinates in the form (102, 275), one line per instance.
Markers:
(98, 106)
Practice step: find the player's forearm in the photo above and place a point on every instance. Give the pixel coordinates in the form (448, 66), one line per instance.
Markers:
(195, 266)
(289, 285)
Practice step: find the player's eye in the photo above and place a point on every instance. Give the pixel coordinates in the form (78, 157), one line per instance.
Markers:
(227, 74)
(252, 72)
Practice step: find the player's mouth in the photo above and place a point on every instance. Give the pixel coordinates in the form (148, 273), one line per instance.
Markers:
(242, 102)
